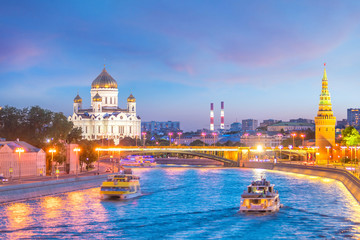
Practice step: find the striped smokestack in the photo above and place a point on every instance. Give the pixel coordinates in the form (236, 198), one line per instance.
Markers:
(212, 117)
(222, 125)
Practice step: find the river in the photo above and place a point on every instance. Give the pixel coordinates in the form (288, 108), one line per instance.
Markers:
(190, 203)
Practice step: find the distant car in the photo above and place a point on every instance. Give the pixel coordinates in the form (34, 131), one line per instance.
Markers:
(309, 163)
(3, 179)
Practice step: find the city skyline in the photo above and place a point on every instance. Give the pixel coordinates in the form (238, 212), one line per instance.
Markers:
(263, 60)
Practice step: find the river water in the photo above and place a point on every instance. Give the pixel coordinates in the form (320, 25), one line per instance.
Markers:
(190, 203)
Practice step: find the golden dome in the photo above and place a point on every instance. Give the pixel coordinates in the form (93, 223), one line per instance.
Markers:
(77, 99)
(97, 98)
(104, 80)
(131, 98)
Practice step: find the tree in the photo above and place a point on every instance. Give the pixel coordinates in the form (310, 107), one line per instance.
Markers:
(197, 143)
(87, 154)
(12, 123)
(128, 141)
(60, 127)
(74, 136)
(351, 136)
(37, 125)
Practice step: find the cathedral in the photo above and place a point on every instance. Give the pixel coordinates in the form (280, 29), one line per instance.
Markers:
(104, 119)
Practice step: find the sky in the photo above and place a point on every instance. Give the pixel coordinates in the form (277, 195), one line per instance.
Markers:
(264, 59)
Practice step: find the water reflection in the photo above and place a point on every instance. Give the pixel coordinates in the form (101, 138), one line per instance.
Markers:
(18, 216)
(190, 203)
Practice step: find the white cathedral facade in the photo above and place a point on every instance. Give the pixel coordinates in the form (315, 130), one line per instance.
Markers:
(105, 119)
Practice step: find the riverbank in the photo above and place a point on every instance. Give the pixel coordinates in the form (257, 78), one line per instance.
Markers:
(351, 182)
(11, 193)
(188, 161)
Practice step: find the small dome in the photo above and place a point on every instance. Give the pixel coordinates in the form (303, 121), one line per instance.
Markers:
(131, 98)
(77, 99)
(104, 80)
(97, 98)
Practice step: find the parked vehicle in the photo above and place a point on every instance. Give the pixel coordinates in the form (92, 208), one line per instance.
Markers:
(3, 179)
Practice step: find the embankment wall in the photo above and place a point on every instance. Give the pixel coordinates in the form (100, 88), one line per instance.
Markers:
(350, 181)
(19, 192)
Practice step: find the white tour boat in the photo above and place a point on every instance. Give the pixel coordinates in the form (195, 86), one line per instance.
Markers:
(260, 196)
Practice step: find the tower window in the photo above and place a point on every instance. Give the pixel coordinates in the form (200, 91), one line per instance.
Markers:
(105, 100)
(110, 100)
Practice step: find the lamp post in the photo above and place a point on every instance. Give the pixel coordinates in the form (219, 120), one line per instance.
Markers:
(258, 134)
(144, 138)
(203, 134)
(77, 150)
(293, 136)
(98, 150)
(214, 135)
(280, 147)
(303, 137)
(343, 152)
(170, 134)
(19, 151)
(327, 150)
(290, 147)
(246, 135)
(179, 134)
(52, 151)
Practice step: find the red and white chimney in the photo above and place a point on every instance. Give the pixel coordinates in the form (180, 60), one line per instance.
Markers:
(222, 125)
(212, 128)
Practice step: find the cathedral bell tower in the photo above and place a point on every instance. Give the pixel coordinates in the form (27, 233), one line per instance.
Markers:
(324, 124)
(77, 103)
(97, 103)
(131, 104)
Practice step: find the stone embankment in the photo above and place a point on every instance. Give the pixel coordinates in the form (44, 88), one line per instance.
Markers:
(350, 181)
(10, 193)
(188, 161)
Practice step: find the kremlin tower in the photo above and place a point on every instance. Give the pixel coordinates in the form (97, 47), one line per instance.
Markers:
(324, 124)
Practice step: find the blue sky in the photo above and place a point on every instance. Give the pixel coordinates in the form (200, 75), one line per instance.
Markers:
(263, 58)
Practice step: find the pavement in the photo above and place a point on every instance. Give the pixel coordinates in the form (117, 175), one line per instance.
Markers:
(31, 179)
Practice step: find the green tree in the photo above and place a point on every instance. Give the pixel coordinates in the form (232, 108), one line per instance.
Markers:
(12, 123)
(37, 125)
(351, 136)
(128, 141)
(75, 135)
(88, 155)
(60, 127)
(197, 143)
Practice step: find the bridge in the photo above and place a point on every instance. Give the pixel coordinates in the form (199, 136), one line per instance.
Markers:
(230, 156)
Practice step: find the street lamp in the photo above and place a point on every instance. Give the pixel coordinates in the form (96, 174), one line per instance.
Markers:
(290, 147)
(98, 150)
(258, 134)
(170, 134)
(280, 147)
(19, 151)
(179, 134)
(214, 134)
(52, 151)
(303, 137)
(293, 136)
(327, 150)
(203, 134)
(246, 135)
(144, 137)
(77, 150)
